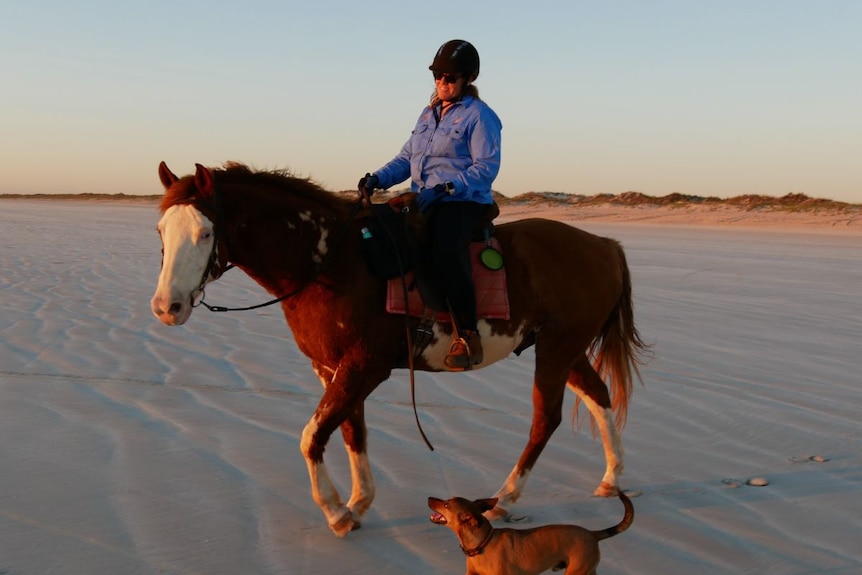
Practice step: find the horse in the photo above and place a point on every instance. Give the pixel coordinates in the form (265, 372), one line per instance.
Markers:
(570, 297)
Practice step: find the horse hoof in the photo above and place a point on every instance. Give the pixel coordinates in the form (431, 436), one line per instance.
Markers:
(606, 490)
(345, 525)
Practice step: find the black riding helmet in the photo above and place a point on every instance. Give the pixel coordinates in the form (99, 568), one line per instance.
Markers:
(457, 57)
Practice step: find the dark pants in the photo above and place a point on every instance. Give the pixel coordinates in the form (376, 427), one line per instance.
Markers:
(451, 226)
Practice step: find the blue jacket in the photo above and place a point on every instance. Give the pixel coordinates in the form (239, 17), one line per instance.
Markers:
(462, 148)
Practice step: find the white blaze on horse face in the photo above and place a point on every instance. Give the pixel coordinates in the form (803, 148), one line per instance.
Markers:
(187, 242)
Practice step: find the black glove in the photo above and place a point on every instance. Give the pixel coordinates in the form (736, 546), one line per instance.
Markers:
(430, 196)
(367, 183)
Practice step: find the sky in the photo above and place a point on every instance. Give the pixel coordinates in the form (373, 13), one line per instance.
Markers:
(702, 98)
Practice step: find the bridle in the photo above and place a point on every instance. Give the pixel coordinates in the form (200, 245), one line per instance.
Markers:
(217, 264)
(212, 266)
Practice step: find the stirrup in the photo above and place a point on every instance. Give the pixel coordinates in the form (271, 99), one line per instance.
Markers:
(462, 356)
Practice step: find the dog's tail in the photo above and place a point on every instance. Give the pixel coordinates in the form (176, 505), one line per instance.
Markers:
(626, 522)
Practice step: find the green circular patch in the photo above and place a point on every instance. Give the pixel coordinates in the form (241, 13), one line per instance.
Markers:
(491, 258)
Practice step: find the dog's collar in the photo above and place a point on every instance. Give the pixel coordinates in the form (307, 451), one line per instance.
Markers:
(480, 547)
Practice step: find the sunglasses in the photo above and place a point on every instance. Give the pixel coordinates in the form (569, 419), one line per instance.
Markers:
(448, 78)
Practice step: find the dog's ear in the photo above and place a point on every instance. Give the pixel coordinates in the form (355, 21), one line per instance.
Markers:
(486, 504)
(468, 518)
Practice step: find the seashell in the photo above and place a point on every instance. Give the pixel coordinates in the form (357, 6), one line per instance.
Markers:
(757, 482)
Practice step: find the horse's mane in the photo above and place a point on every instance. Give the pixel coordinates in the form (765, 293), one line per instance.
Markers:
(278, 186)
(234, 173)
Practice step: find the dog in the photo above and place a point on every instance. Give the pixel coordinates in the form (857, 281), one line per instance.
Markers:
(507, 551)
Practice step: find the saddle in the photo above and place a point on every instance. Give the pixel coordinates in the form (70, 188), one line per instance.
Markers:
(393, 249)
(425, 300)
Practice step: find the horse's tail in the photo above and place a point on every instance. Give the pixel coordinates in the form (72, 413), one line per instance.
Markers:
(619, 350)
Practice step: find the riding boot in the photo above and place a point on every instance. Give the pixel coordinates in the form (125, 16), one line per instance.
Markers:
(465, 351)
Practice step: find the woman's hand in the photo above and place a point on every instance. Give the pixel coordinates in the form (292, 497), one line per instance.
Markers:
(430, 196)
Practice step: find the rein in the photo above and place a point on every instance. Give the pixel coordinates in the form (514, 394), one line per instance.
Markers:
(408, 334)
(214, 259)
(216, 269)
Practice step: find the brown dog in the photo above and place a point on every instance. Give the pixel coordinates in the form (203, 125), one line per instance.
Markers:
(493, 551)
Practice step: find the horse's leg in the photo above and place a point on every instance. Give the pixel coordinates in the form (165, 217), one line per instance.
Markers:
(590, 388)
(549, 385)
(341, 405)
(355, 436)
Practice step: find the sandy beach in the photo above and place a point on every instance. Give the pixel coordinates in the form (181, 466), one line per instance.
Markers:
(130, 447)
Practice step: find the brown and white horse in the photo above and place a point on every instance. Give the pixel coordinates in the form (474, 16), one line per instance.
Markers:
(569, 291)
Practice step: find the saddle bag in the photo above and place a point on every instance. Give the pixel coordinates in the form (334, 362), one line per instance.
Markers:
(387, 241)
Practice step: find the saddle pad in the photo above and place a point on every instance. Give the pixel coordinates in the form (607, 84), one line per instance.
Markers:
(492, 295)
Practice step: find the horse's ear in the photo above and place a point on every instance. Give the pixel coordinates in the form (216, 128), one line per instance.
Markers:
(203, 180)
(166, 175)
